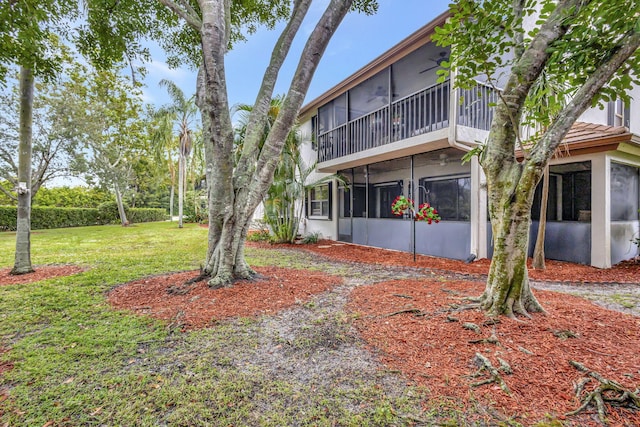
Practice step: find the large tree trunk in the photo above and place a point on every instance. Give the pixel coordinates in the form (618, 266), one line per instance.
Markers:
(538, 252)
(22, 263)
(507, 290)
(234, 193)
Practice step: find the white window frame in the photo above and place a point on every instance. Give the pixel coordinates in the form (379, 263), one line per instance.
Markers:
(311, 200)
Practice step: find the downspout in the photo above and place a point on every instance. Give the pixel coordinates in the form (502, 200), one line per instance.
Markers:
(454, 143)
(453, 115)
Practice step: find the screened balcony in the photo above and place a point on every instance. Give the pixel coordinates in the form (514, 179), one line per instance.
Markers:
(424, 111)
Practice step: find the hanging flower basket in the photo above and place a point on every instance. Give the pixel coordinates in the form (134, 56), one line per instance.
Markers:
(425, 212)
(401, 205)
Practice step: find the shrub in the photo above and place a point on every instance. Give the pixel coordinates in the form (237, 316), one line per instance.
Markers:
(50, 217)
(108, 212)
(147, 214)
(259, 236)
(8, 217)
(311, 238)
(71, 197)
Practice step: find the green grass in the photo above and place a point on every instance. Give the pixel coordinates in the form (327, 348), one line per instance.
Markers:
(78, 362)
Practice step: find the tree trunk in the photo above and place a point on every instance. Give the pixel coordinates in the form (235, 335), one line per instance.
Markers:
(171, 197)
(121, 211)
(22, 263)
(507, 291)
(234, 193)
(510, 195)
(538, 252)
(180, 190)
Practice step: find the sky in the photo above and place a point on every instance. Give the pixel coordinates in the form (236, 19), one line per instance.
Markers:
(359, 39)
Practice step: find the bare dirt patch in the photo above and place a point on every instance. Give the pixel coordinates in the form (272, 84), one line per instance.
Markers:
(41, 272)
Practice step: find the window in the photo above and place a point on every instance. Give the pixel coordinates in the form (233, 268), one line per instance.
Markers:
(369, 95)
(319, 202)
(381, 196)
(450, 196)
(569, 193)
(619, 113)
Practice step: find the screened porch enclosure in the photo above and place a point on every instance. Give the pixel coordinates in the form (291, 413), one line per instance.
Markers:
(402, 101)
(364, 203)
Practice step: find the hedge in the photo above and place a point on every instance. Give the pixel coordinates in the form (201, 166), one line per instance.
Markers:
(49, 217)
(147, 214)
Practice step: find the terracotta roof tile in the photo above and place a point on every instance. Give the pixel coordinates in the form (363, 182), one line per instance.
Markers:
(583, 131)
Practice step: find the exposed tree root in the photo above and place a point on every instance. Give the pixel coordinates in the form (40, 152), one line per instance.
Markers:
(403, 296)
(472, 327)
(491, 322)
(525, 351)
(457, 308)
(415, 311)
(564, 334)
(494, 373)
(15, 271)
(220, 280)
(185, 288)
(490, 340)
(177, 321)
(608, 391)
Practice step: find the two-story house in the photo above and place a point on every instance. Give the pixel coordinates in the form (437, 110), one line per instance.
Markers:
(391, 129)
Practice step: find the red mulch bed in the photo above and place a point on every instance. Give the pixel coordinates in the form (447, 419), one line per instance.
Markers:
(202, 306)
(436, 353)
(41, 272)
(556, 271)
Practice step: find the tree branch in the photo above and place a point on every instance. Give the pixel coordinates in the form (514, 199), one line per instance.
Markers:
(523, 75)
(186, 12)
(518, 12)
(583, 98)
(6, 156)
(8, 194)
(258, 115)
(309, 59)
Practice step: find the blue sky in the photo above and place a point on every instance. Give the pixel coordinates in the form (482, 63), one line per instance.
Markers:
(359, 40)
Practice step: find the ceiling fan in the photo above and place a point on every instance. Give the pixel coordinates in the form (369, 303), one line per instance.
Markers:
(444, 57)
(382, 94)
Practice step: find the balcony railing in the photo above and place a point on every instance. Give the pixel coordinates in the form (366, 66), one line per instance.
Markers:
(416, 114)
(476, 110)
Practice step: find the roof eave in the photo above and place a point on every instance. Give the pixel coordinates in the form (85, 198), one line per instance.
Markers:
(412, 42)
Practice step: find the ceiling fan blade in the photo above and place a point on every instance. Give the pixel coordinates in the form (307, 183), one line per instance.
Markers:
(428, 69)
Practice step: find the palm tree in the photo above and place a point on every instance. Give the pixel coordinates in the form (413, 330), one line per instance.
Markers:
(283, 202)
(165, 147)
(180, 112)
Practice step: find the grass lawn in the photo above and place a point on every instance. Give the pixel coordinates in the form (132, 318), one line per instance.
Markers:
(78, 362)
